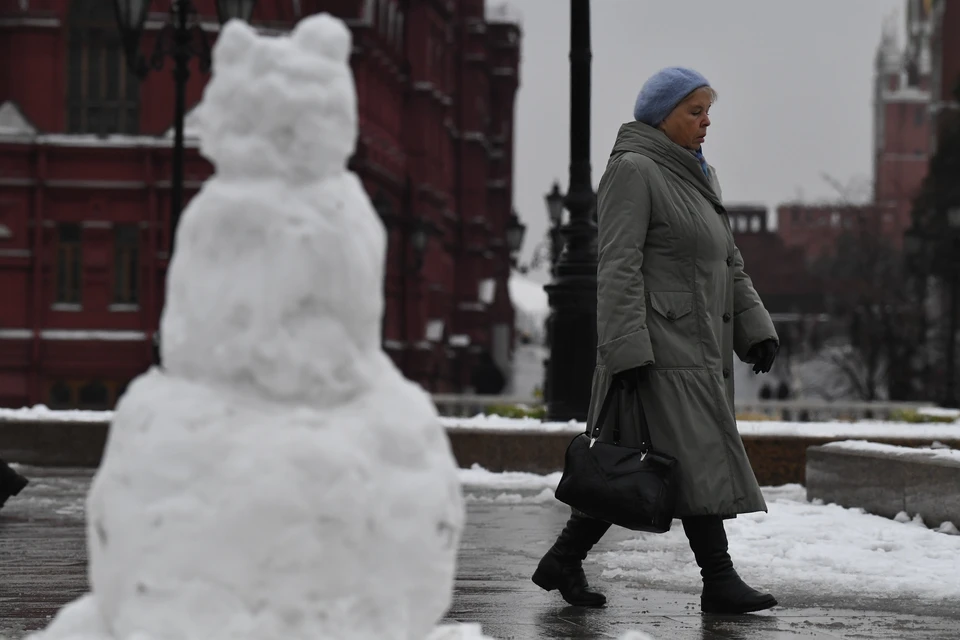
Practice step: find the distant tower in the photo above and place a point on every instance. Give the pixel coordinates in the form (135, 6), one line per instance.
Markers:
(901, 113)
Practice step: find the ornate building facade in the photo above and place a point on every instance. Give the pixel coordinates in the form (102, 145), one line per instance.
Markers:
(85, 166)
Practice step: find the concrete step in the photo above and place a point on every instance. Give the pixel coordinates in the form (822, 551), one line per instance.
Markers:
(886, 480)
(776, 459)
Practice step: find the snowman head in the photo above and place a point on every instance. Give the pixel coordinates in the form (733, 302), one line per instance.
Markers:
(276, 283)
(280, 107)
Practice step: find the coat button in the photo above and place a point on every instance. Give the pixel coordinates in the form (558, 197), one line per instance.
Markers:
(726, 373)
(671, 316)
(727, 317)
(729, 261)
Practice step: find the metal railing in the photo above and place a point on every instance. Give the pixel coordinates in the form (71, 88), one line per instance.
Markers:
(456, 405)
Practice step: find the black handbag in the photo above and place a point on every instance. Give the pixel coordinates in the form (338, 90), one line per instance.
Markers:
(631, 488)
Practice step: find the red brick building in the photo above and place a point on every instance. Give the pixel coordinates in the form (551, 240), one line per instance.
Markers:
(944, 17)
(85, 185)
(912, 89)
(813, 229)
(778, 270)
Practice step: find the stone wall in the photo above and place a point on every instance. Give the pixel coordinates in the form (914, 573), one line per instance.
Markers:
(776, 460)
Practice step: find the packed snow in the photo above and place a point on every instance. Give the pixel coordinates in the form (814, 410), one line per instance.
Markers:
(836, 429)
(929, 453)
(864, 429)
(343, 521)
(798, 547)
(41, 413)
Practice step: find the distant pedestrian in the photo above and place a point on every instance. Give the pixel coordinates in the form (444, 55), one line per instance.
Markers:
(673, 306)
(487, 378)
(11, 482)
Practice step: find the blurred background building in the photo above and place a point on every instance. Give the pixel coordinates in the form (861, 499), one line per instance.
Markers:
(85, 185)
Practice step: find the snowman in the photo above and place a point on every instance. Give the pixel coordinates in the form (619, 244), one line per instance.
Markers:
(279, 478)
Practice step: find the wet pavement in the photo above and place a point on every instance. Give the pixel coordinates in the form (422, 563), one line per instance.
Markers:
(43, 560)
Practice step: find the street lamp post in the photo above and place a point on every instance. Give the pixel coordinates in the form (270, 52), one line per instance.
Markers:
(516, 231)
(182, 38)
(554, 201)
(573, 291)
(939, 252)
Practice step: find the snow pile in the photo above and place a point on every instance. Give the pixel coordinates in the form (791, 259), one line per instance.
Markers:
(926, 453)
(477, 476)
(836, 429)
(279, 478)
(501, 423)
(41, 413)
(939, 412)
(807, 548)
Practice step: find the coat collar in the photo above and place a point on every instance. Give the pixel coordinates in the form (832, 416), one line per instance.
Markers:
(648, 141)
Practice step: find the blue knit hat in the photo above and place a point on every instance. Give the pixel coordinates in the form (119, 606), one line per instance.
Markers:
(665, 90)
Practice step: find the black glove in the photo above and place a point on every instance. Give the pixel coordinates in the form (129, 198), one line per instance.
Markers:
(762, 355)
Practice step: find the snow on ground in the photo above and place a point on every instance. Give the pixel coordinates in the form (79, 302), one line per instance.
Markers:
(865, 429)
(40, 413)
(940, 412)
(836, 429)
(499, 423)
(932, 453)
(798, 547)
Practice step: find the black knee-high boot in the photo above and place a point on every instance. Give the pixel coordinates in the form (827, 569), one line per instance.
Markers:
(561, 568)
(723, 590)
(11, 482)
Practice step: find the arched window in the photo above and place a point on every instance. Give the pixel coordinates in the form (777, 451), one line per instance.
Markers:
(102, 96)
(61, 396)
(94, 395)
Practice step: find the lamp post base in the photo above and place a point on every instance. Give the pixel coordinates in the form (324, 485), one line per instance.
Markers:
(573, 339)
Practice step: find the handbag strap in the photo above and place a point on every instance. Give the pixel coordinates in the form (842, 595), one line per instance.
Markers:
(617, 386)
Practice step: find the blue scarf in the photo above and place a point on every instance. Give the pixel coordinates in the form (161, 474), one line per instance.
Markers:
(698, 154)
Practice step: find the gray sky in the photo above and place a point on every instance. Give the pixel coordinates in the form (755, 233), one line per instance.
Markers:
(794, 78)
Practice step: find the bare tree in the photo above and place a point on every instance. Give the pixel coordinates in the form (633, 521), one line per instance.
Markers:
(875, 311)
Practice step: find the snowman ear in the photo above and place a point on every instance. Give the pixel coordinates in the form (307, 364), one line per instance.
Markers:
(324, 35)
(237, 39)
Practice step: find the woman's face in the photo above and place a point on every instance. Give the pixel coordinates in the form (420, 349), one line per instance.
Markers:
(687, 123)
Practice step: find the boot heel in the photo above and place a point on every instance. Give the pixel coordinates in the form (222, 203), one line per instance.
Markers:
(543, 579)
(19, 484)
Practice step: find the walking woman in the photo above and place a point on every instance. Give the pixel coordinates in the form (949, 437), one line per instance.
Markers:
(673, 306)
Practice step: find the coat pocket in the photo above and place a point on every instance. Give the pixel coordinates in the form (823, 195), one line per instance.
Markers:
(673, 330)
(672, 305)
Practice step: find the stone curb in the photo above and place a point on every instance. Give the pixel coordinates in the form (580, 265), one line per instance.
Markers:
(776, 460)
(886, 483)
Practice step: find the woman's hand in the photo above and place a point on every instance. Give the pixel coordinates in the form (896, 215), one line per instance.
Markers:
(762, 355)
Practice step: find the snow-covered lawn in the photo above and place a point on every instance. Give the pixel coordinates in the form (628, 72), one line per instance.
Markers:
(799, 547)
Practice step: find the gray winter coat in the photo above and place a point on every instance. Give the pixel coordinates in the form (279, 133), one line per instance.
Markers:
(672, 294)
